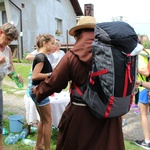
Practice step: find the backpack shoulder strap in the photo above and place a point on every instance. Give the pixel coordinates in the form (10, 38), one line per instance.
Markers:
(77, 89)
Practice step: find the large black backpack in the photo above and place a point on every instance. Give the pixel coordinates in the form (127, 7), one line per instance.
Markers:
(109, 90)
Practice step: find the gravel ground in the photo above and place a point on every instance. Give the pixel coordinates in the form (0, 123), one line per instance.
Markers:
(133, 129)
(14, 103)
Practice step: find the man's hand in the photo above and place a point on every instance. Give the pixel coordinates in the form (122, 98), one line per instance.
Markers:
(138, 83)
(20, 79)
(34, 89)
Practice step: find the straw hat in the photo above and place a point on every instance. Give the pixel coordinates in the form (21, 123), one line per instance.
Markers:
(84, 22)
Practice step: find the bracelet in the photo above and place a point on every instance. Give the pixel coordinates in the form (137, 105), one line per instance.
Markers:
(48, 74)
(141, 84)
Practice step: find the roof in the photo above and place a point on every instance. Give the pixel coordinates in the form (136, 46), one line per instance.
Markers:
(77, 7)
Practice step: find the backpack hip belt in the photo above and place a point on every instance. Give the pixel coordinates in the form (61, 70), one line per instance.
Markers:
(78, 104)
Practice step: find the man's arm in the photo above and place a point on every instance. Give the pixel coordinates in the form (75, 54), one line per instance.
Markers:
(143, 84)
(144, 71)
(31, 55)
(12, 67)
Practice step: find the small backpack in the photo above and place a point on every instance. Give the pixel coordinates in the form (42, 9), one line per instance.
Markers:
(109, 89)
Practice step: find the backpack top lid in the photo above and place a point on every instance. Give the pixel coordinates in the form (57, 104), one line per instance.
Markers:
(119, 34)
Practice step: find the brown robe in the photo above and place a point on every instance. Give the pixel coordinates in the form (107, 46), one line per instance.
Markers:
(78, 128)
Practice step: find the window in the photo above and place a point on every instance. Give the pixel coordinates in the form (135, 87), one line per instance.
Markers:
(58, 26)
(4, 17)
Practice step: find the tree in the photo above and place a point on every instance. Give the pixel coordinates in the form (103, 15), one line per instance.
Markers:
(144, 40)
(146, 44)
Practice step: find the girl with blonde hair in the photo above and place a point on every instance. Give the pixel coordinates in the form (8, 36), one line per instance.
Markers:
(41, 69)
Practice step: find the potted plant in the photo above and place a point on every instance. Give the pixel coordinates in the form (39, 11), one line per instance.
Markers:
(58, 33)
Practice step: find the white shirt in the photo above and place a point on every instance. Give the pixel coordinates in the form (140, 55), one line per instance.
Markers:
(5, 65)
(56, 57)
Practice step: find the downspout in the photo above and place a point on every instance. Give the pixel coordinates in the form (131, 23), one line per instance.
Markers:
(67, 40)
(20, 27)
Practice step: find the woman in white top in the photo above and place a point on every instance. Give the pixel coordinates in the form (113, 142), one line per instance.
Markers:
(8, 33)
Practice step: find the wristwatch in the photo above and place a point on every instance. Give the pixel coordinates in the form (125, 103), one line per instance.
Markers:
(49, 74)
(141, 84)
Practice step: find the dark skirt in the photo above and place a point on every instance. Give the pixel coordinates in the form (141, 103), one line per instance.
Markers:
(80, 130)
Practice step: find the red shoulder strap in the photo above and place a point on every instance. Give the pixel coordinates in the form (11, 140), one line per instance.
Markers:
(77, 89)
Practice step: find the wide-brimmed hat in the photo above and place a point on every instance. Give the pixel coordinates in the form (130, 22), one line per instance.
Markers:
(84, 22)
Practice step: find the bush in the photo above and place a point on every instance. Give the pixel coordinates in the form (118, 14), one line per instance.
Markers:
(146, 44)
(23, 60)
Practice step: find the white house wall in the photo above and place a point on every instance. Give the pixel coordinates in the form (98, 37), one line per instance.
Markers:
(38, 16)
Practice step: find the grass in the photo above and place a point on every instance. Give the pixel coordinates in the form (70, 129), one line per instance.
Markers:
(23, 70)
(129, 145)
(20, 146)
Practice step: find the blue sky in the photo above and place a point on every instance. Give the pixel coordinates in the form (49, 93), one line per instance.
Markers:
(135, 12)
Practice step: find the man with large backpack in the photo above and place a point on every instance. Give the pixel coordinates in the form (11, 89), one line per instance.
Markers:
(79, 128)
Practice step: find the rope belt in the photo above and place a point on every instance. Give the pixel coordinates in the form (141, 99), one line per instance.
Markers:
(78, 104)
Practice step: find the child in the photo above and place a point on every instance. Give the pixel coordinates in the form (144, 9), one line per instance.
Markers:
(41, 69)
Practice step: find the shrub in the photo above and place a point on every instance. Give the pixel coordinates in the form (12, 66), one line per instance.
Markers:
(146, 44)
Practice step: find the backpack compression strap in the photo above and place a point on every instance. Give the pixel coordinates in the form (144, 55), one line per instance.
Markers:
(97, 73)
(111, 102)
(127, 75)
(94, 74)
